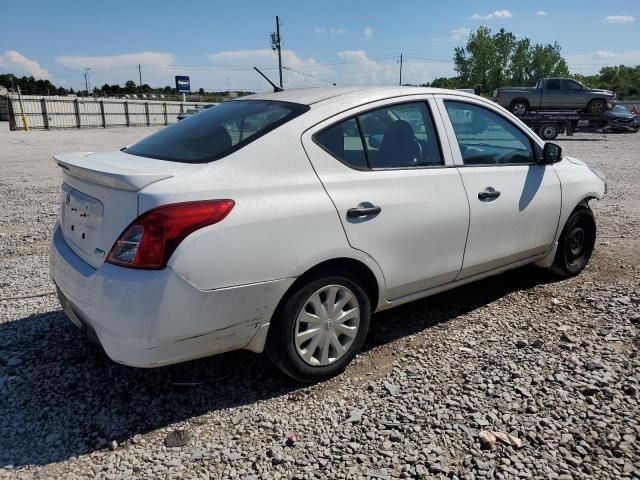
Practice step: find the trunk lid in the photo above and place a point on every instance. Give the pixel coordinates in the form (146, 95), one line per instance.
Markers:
(99, 197)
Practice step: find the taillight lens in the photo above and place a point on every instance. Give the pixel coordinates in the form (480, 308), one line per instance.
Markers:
(151, 239)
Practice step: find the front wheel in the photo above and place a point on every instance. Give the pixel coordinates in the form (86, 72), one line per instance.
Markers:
(576, 243)
(320, 327)
(597, 106)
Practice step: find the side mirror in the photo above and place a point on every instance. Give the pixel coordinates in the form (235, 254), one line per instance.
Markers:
(551, 153)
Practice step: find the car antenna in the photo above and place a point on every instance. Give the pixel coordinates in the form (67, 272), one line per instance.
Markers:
(275, 87)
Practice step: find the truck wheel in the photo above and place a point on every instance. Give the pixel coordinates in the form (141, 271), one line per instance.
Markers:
(519, 107)
(597, 106)
(576, 243)
(320, 327)
(548, 131)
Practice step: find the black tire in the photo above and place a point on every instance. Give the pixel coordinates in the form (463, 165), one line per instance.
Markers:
(281, 347)
(548, 131)
(519, 107)
(576, 243)
(597, 106)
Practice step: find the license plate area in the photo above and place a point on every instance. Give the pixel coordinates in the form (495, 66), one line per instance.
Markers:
(80, 217)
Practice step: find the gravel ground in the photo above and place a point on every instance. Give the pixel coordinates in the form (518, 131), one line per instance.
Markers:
(552, 363)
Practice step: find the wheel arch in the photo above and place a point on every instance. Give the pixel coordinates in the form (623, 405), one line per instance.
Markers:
(356, 268)
(373, 286)
(520, 99)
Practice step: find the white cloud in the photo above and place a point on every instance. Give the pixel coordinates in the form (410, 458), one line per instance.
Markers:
(363, 70)
(111, 61)
(619, 19)
(368, 33)
(234, 67)
(11, 58)
(331, 31)
(489, 16)
(592, 62)
(541, 13)
(351, 67)
(459, 34)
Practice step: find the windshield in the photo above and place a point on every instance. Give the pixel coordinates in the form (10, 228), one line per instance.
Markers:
(216, 132)
(620, 109)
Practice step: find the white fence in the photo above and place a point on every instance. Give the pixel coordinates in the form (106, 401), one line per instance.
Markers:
(63, 112)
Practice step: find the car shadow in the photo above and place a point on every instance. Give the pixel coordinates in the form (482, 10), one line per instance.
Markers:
(60, 396)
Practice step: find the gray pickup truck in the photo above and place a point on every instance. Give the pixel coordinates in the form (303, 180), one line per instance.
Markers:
(554, 94)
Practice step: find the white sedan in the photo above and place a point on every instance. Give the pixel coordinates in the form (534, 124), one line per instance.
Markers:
(281, 222)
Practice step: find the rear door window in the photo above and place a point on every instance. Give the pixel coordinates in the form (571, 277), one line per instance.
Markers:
(216, 132)
(397, 136)
(553, 84)
(343, 141)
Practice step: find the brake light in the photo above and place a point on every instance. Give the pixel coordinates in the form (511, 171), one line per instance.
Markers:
(151, 239)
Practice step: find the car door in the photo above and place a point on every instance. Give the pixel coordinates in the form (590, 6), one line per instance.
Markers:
(514, 201)
(395, 191)
(575, 95)
(552, 96)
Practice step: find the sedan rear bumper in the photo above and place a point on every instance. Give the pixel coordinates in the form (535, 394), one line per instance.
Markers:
(148, 318)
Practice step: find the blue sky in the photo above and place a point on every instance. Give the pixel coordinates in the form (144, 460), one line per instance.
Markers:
(349, 42)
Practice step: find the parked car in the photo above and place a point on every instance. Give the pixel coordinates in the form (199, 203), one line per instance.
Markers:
(281, 222)
(622, 120)
(554, 94)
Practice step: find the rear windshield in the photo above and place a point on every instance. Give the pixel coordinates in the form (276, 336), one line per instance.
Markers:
(216, 132)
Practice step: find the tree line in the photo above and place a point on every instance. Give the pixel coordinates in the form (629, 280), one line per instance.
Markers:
(31, 86)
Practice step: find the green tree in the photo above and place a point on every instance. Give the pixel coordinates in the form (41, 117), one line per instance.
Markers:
(494, 60)
(130, 86)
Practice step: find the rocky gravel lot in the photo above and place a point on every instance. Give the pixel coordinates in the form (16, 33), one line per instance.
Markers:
(551, 366)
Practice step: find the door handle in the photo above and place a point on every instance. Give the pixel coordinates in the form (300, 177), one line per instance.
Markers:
(363, 212)
(488, 194)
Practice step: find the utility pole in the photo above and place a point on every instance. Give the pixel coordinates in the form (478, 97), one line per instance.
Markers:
(87, 83)
(275, 45)
(140, 76)
(400, 83)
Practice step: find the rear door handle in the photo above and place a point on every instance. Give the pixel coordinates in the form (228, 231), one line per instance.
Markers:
(488, 194)
(363, 212)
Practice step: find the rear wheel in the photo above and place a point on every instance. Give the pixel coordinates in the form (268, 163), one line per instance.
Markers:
(320, 327)
(576, 243)
(548, 131)
(519, 107)
(597, 106)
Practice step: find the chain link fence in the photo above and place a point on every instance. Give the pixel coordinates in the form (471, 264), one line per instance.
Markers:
(50, 113)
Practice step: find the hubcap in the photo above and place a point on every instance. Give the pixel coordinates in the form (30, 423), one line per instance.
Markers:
(576, 242)
(549, 132)
(597, 108)
(327, 325)
(519, 109)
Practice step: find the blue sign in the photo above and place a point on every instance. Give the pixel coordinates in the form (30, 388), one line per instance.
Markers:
(182, 84)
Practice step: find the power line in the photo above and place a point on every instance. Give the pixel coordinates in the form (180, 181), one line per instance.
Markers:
(308, 75)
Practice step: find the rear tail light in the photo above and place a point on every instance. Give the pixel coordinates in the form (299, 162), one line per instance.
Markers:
(151, 239)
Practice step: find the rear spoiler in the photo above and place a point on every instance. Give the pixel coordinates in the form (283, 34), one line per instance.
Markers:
(115, 176)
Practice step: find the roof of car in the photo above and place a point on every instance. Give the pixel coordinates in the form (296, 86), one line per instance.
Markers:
(310, 96)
